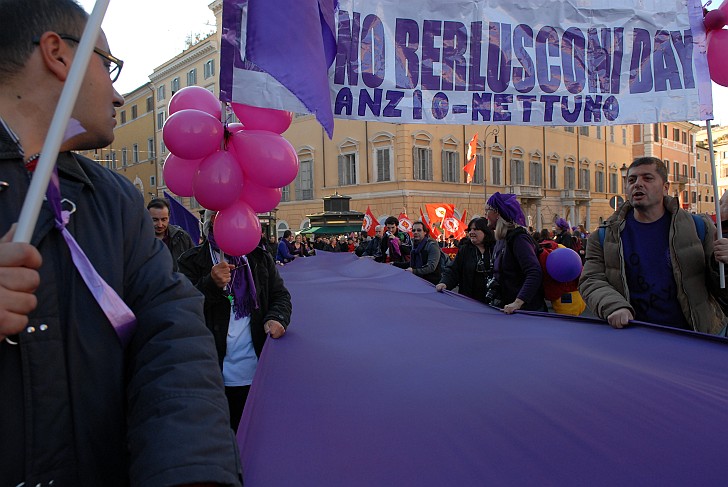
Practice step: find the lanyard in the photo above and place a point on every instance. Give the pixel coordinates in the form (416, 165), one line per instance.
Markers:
(122, 318)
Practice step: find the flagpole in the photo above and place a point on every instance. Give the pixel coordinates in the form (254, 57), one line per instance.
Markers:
(718, 221)
(489, 130)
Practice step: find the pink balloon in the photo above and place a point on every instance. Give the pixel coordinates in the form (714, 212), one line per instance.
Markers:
(716, 19)
(234, 128)
(266, 158)
(717, 47)
(192, 134)
(178, 174)
(218, 181)
(260, 198)
(237, 229)
(195, 98)
(256, 118)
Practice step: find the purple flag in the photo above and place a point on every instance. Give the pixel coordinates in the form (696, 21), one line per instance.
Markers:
(292, 40)
(182, 217)
(380, 380)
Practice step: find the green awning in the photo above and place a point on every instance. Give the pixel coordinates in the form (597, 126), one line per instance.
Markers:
(332, 230)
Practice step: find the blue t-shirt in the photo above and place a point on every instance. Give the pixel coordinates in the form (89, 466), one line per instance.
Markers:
(651, 283)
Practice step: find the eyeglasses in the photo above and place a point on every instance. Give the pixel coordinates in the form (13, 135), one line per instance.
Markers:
(113, 64)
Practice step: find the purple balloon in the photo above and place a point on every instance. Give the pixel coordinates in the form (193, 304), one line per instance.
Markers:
(269, 119)
(563, 265)
(195, 98)
(237, 229)
(178, 174)
(218, 181)
(192, 134)
(260, 198)
(266, 158)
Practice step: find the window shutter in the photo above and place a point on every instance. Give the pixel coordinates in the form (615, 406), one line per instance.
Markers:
(443, 158)
(414, 162)
(341, 170)
(429, 164)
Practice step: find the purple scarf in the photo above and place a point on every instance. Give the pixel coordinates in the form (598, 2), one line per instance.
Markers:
(245, 299)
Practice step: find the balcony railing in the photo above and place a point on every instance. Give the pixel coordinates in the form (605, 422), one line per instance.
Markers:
(576, 194)
(526, 191)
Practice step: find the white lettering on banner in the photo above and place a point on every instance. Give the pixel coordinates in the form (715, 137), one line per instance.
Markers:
(610, 63)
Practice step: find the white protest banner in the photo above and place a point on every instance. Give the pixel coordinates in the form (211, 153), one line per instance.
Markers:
(537, 62)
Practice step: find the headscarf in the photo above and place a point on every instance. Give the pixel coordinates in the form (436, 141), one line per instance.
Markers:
(508, 207)
(562, 224)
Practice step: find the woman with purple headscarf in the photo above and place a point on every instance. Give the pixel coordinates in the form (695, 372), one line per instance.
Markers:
(517, 272)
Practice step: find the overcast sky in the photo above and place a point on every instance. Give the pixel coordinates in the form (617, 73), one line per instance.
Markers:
(147, 33)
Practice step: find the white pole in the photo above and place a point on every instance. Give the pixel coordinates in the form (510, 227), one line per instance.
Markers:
(716, 197)
(54, 139)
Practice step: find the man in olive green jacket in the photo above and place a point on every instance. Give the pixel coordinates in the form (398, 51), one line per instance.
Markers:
(648, 261)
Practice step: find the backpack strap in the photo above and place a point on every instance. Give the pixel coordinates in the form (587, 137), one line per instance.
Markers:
(699, 229)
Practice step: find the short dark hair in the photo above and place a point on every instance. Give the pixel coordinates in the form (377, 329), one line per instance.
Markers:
(391, 220)
(158, 203)
(481, 224)
(25, 20)
(287, 234)
(648, 161)
(425, 228)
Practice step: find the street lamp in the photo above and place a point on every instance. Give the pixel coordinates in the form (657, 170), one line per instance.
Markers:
(488, 132)
(623, 172)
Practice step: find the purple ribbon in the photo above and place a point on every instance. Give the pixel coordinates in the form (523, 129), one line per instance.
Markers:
(122, 318)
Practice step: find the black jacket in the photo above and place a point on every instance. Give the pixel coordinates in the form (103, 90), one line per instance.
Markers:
(463, 271)
(273, 298)
(179, 243)
(89, 412)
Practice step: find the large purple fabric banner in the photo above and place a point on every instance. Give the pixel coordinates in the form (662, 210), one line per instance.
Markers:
(381, 381)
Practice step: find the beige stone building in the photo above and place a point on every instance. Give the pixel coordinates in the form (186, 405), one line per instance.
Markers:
(720, 150)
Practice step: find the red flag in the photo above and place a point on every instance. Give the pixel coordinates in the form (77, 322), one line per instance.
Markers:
(369, 223)
(433, 231)
(470, 166)
(463, 225)
(437, 212)
(405, 224)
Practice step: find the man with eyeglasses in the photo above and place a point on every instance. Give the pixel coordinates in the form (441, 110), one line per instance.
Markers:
(425, 256)
(115, 383)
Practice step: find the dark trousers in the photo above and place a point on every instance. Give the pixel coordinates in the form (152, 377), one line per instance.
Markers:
(236, 397)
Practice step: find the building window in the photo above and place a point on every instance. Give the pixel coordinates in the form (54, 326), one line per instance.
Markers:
(667, 165)
(569, 129)
(123, 116)
(123, 157)
(569, 178)
(451, 166)
(535, 175)
(664, 131)
(676, 135)
(584, 131)
(175, 85)
(135, 153)
(423, 163)
(599, 132)
(134, 112)
(194, 203)
(613, 187)
(113, 160)
(192, 77)
(584, 182)
(611, 133)
(209, 68)
(347, 169)
(160, 92)
(684, 140)
(496, 170)
(685, 170)
(553, 176)
(624, 136)
(150, 149)
(517, 169)
(162, 147)
(656, 132)
(479, 169)
(384, 160)
(150, 104)
(692, 172)
(286, 193)
(676, 166)
(152, 180)
(304, 179)
(599, 181)
(160, 121)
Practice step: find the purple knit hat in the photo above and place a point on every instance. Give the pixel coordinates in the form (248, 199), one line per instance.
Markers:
(562, 224)
(508, 207)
